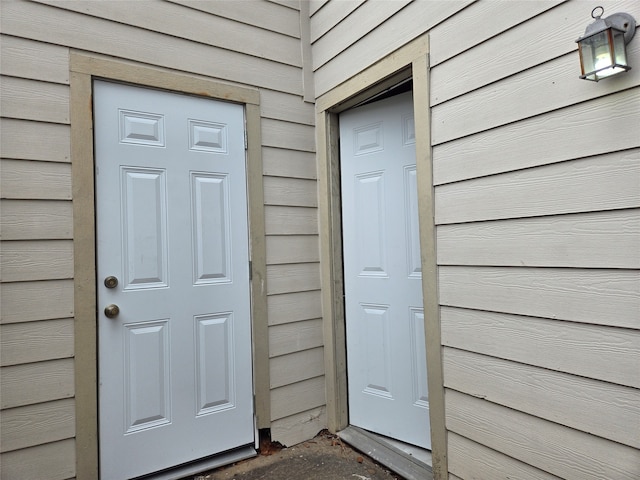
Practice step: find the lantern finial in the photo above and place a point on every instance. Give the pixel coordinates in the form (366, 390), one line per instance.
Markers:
(594, 15)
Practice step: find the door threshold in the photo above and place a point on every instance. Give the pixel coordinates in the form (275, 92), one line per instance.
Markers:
(394, 455)
(203, 465)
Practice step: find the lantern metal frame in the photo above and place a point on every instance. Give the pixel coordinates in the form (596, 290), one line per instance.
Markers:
(615, 27)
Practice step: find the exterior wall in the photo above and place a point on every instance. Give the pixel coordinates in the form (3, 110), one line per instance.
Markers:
(537, 196)
(255, 44)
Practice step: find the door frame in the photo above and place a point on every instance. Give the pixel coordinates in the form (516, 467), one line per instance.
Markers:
(408, 62)
(83, 69)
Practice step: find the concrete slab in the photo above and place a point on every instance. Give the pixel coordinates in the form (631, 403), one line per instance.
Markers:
(326, 457)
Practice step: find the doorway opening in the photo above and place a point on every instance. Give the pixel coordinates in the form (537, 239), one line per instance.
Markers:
(374, 89)
(382, 271)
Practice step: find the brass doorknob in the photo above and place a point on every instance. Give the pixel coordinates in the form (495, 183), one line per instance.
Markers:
(111, 282)
(112, 311)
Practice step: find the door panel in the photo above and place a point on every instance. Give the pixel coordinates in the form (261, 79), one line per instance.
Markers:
(211, 228)
(146, 375)
(144, 206)
(214, 363)
(369, 195)
(387, 378)
(175, 366)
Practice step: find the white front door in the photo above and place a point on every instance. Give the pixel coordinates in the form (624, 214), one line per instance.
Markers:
(175, 371)
(386, 356)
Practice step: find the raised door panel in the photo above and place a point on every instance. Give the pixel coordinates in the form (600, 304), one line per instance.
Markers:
(145, 242)
(215, 365)
(375, 325)
(147, 381)
(211, 217)
(370, 202)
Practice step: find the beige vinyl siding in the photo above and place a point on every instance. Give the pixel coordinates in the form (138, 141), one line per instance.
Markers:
(478, 461)
(352, 27)
(255, 44)
(593, 352)
(266, 15)
(37, 382)
(537, 198)
(52, 146)
(211, 30)
(41, 22)
(54, 461)
(32, 342)
(36, 331)
(376, 31)
(36, 180)
(327, 14)
(33, 301)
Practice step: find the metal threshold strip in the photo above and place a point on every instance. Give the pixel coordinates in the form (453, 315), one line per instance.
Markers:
(386, 454)
(203, 465)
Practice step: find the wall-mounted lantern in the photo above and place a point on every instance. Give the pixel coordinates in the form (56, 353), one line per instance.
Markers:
(602, 48)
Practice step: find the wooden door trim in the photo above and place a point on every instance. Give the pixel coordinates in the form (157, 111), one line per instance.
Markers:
(83, 69)
(409, 61)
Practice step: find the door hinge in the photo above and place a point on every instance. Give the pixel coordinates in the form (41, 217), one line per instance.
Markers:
(250, 270)
(246, 141)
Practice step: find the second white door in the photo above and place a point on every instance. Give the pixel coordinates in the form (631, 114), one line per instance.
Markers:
(386, 356)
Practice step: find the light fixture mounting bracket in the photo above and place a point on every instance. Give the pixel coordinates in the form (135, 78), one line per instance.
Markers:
(623, 21)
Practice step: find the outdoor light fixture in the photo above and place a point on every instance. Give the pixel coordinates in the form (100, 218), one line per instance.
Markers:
(602, 48)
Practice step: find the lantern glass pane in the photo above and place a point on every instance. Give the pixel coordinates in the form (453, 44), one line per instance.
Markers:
(619, 48)
(595, 52)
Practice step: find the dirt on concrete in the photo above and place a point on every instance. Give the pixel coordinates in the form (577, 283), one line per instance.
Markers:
(324, 457)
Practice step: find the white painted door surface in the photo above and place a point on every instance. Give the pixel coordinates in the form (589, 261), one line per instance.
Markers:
(175, 374)
(386, 354)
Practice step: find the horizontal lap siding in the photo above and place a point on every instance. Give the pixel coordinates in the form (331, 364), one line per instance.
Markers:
(36, 219)
(591, 240)
(208, 29)
(526, 94)
(327, 14)
(472, 460)
(295, 332)
(537, 210)
(29, 342)
(36, 382)
(53, 461)
(551, 447)
(265, 15)
(52, 145)
(253, 44)
(35, 180)
(550, 31)
(42, 23)
(352, 28)
(37, 424)
(503, 15)
(546, 139)
(377, 29)
(600, 408)
(537, 205)
(293, 274)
